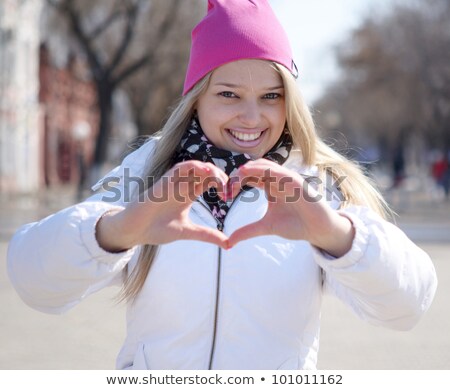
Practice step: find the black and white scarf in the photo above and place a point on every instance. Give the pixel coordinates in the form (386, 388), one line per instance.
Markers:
(195, 146)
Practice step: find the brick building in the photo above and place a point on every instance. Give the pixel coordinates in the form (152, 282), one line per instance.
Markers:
(48, 106)
(68, 101)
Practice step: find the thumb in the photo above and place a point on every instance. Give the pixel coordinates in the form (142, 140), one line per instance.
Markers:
(255, 229)
(201, 233)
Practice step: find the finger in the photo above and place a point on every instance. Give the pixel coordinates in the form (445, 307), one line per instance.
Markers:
(206, 184)
(205, 234)
(236, 184)
(200, 169)
(278, 182)
(259, 228)
(192, 178)
(257, 177)
(216, 178)
(261, 163)
(262, 171)
(212, 176)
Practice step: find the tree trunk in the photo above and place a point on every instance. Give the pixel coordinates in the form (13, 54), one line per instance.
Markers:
(105, 105)
(105, 108)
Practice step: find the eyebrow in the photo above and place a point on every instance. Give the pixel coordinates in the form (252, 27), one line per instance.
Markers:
(231, 85)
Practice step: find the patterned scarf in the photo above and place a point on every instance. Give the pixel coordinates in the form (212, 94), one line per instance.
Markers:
(195, 146)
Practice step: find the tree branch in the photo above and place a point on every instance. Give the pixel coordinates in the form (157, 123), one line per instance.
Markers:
(129, 70)
(127, 37)
(54, 4)
(169, 19)
(163, 30)
(102, 27)
(66, 8)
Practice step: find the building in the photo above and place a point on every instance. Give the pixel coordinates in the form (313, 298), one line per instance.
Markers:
(48, 105)
(68, 102)
(20, 115)
(48, 113)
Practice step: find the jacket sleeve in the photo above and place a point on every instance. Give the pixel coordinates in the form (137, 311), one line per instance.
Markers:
(385, 278)
(56, 262)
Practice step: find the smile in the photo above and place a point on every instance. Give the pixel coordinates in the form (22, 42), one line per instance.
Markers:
(246, 137)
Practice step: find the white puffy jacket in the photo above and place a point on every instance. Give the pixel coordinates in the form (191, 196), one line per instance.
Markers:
(255, 306)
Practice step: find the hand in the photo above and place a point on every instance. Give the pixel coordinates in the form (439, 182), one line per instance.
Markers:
(163, 215)
(294, 211)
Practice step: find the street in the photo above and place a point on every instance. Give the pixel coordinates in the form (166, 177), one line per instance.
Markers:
(90, 335)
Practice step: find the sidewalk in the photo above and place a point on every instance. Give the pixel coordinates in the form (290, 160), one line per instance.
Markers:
(423, 218)
(348, 343)
(18, 210)
(90, 335)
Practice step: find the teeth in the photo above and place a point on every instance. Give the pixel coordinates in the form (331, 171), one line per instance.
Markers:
(245, 136)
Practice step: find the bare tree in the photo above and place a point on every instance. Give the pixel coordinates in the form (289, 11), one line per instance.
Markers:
(119, 38)
(396, 73)
(156, 88)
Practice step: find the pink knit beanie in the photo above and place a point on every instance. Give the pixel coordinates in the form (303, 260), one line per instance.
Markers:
(234, 30)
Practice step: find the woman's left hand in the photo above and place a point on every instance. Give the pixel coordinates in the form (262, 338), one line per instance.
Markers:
(295, 210)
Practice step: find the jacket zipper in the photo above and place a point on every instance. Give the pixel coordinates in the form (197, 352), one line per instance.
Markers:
(220, 227)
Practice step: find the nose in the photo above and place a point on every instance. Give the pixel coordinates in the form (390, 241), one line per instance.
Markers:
(250, 114)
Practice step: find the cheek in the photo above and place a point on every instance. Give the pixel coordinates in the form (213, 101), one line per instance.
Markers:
(210, 132)
(210, 126)
(278, 119)
(213, 119)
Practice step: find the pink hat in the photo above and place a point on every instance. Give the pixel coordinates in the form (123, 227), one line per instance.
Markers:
(233, 30)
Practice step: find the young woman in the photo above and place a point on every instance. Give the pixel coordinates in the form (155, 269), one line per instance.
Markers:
(226, 228)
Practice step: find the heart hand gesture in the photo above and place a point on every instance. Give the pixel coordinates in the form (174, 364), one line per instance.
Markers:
(162, 216)
(294, 211)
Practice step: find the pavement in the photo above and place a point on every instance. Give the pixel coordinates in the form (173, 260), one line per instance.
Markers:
(90, 335)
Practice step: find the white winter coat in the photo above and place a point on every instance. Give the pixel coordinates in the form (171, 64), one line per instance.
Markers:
(255, 306)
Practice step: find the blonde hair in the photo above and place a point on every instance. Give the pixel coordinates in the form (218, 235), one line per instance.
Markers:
(356, 188)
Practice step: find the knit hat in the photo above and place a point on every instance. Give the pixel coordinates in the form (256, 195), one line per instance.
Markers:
(234, 30)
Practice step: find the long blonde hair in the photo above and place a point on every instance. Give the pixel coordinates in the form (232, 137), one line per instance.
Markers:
(356, 188)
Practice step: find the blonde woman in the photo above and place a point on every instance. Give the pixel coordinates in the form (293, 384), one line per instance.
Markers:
(226, 228)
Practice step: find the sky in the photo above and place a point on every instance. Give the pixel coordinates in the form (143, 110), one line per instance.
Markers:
(314, 27)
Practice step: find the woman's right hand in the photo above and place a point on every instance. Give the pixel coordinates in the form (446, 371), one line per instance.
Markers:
(162, 216)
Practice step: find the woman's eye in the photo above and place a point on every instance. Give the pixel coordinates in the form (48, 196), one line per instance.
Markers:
(271, 96)
(227, 94)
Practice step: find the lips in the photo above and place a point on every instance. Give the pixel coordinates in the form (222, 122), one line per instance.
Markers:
(246, 138)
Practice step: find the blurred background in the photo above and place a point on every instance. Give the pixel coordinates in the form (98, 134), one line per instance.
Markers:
(82, 82)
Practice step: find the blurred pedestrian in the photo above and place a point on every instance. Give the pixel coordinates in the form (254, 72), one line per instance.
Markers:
(398, 165)
(440, 170)
(224, 249)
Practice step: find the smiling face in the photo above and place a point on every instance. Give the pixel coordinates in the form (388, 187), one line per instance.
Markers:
(243, 110)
